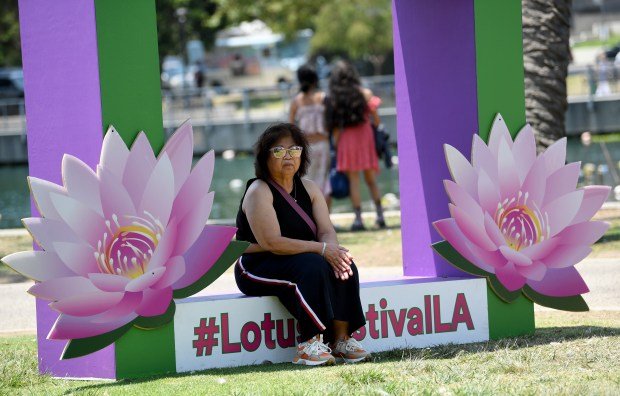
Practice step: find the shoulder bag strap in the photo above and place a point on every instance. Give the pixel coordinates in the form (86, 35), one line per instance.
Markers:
(295, 206)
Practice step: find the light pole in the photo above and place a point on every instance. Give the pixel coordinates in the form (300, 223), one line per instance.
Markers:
(182, 18)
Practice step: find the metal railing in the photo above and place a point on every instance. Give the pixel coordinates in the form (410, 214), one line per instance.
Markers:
(599, 80)
(12, 116)
(213, 105)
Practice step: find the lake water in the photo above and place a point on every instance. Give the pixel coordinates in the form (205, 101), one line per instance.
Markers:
(231, 175)
(229, 179)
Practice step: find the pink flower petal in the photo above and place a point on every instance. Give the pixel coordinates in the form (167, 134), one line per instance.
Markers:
(175, 269)
(461, 170)
(125, 308)
(145, 280)
(562, 181)
(515, 257)
(562, 282)
(493, 231)
(69, 327)
(509, 277)
(567, 256)
(115, 199)
(166, 245)
(485, 258)
(585, 233)
(509, 182)
(81, 182)
(460, 198)
(499, 133)
(59, 288)
(488, 193)
(555, 156)
(535, 272)
(562, 211)
(541, 249)
(87, 304)
(180, 150)
(140, 164)
(45, 231)
(449, 230)
(154, 302)
(38, 265)
(114, 153)
(196, 187)
(535, 183)
(85, 223)
(593, 198)
(159, 191)
(41, 192)
(483, 160)
(524, 150)
(109, 282)
(192, 224)
(79, 258)
(472, 228)
(199, 259)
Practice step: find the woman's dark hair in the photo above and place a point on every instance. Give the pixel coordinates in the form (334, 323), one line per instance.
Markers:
(307, 77)
(268, 139)
(346, 105)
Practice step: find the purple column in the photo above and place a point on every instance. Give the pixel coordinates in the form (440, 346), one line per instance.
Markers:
(436, 103)
(63, 114)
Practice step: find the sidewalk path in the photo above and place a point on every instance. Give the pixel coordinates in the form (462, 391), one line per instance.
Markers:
(17, 308)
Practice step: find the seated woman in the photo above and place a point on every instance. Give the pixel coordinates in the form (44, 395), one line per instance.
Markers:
(295, 253)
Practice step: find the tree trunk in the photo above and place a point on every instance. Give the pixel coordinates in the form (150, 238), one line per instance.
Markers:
(546, 55)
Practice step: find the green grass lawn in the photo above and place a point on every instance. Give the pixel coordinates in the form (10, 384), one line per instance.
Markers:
(611, 41)
(571, 354)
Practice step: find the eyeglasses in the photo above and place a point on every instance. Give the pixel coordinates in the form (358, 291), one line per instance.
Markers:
(280, 152)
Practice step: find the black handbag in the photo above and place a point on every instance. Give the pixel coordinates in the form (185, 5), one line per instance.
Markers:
(382, 145)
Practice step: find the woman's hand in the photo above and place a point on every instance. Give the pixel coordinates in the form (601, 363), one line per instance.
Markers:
(340, 259)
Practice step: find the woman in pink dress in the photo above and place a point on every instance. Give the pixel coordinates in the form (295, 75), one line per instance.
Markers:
(349, 113)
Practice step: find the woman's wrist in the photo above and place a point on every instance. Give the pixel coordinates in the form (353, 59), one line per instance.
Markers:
(317, 247)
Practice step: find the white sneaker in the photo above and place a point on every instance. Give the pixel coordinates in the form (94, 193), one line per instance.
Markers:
(314, 353)
(350, 351)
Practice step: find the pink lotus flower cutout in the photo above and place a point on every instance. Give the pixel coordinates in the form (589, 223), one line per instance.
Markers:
(518, 216)
(117, 242)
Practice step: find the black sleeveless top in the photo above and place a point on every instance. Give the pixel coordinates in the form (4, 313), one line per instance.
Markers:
(291, 224)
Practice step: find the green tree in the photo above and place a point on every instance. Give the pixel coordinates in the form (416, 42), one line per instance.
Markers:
(10, 52)
(198, 25)
(361, 29)
(283, 16)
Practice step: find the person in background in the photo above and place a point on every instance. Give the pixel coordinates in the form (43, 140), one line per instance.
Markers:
(294, 252)
(349, 113)
(308, 113)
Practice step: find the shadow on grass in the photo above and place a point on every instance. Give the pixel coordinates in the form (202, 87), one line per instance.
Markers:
(609, 238)
(542, 336)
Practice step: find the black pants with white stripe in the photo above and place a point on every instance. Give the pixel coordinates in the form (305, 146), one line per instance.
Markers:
(306, 285)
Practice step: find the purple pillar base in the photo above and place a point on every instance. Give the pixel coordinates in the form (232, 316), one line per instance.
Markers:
(100, 364)
(63, 112)
(436, 103)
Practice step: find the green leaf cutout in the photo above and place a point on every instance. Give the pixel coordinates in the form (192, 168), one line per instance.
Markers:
(455, 258)
(501, 291)
(83, 346)
(571, 303)
(230, 255)
(153, 322)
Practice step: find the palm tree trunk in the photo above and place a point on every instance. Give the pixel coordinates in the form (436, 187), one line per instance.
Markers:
(546, 55)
